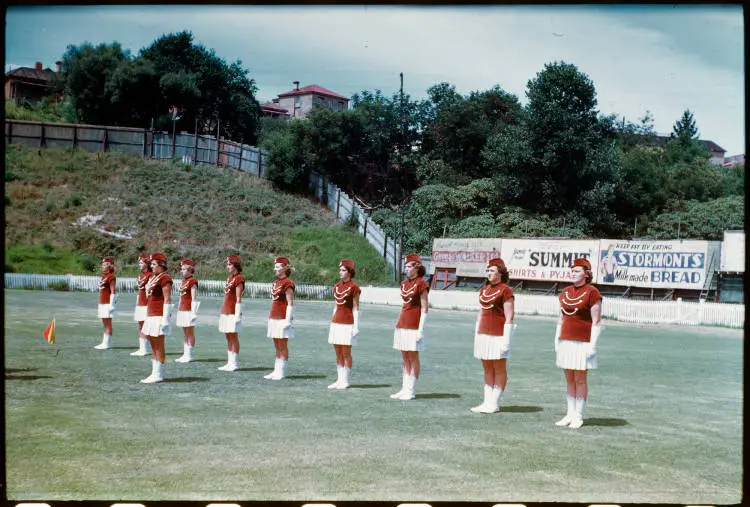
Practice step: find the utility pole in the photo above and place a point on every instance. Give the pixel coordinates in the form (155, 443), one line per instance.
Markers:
(401, 166)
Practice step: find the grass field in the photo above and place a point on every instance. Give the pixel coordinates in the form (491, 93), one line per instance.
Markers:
(663, 426)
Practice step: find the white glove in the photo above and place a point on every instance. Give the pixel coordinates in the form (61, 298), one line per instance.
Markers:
(194, 305)
(112, 304)
(476, 326)
(420, 329)
(288, 318)
(165, 316)
(558, 330)
(355, 327)
(238, 312)
(508, 329)
(596, 331)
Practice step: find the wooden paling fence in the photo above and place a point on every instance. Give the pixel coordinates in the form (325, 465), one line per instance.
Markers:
(627, 310)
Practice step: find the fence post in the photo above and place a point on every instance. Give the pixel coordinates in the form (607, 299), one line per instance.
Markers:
(10, 132)
(145, 141)
(338, 202)
(105, 141)
(364, 232)
(678, 308)
(239, 164)
(42, 142)
(195, 142)
(260, 162)
(217, 143)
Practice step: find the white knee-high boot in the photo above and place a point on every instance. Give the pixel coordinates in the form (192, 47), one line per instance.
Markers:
(577, 421)
(404, 382)
(142, 347)
(344, 384)
(106, 338)
(485, 401)
(157, 372)
(228, 366)
(339, 376)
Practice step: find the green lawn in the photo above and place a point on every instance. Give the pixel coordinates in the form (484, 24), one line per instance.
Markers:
(664, 420)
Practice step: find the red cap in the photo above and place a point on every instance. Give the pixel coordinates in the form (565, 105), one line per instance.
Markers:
(412, 257)
(583, 262)
(108, 259)
(188, 262)
(347, 263)
(158, 257)
(281, 260)
(144, 257)
(234, 259)
(497, 261)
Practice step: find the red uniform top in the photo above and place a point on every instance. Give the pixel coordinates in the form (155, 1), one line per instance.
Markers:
(411, 292)
(344, 294)
(155, 294)
(278, 297)
(105, 289)
(186, 294)
(142, 280)
(230, 293)
(492, 314)
(575, 305)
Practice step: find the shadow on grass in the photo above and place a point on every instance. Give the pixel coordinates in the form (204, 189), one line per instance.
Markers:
(436, 396)
(122, 348)
(208, 361)
(18, 370)
(304, 377)
(599, 421)
(520, 409)
(177, 380)
(25, 377)
(370, 386)
(256, 368)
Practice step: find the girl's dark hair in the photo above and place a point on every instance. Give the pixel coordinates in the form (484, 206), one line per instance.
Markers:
(237, 265)
(589, 275)
(351, 271)
(421, 271)
(288, 271)
(162, 264)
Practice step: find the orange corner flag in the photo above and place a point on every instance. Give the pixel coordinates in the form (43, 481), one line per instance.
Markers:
(49, 333)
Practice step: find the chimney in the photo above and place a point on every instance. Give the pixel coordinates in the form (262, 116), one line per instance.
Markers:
(296, 84)
(38, 66)
(59, 66)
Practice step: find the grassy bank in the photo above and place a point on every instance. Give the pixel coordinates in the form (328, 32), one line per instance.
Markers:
(66, 209)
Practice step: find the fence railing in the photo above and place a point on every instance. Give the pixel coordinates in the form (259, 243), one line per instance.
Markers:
(622, 309)
(346, 209)
(190, 148)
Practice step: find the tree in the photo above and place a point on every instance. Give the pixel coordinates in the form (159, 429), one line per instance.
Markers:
(700, 220)
(684, 128)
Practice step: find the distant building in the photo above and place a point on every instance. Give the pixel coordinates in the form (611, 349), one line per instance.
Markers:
(299, 102)
(734, 160)
(716, 151)
(26, 84)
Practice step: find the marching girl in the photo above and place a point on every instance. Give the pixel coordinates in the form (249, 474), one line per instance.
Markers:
(107, 300)
(158, 314)
(493, 334)
(188, 309)
(345, 323)
(409, 334)
(576, 336)
(280, 326)
(230, 319)
(144, 263)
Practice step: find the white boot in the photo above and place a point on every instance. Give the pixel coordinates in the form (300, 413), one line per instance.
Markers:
(339, 375)
(571, 401)
(577, 421)
(487, 392)
(344, 384)
(156, 373)
(227, 366)
(410, 385)
(404, 381)
(106, 338)
(187, 354)
(275, 371)
(281, 373)
(493, 401)
(142, 347)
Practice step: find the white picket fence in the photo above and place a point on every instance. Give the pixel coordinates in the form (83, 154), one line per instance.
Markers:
(627, 310)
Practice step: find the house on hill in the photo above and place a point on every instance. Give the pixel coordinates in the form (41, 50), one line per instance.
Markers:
(716, 151)
(299, 102)
(26, 84)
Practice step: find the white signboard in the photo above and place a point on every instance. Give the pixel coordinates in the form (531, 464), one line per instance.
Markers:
(654, 264)
(733, 252)
(468, 256)
(547, 260)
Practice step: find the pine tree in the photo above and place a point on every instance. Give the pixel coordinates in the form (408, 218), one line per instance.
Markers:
(685, 128)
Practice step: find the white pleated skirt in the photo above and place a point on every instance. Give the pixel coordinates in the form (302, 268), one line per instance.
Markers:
(488, 346)
(183, 319)
(103, 311)
(276, 329)
(407, 340)
(140, 313)
(341, 334)
(571, 355)
(228, 323)
(152, 327)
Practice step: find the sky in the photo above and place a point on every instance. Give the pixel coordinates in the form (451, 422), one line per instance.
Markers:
(661, 59)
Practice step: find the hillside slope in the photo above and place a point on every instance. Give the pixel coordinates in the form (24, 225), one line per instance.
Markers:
(66, 209)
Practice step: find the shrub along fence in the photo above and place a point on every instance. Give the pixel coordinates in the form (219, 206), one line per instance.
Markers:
(622, 309)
